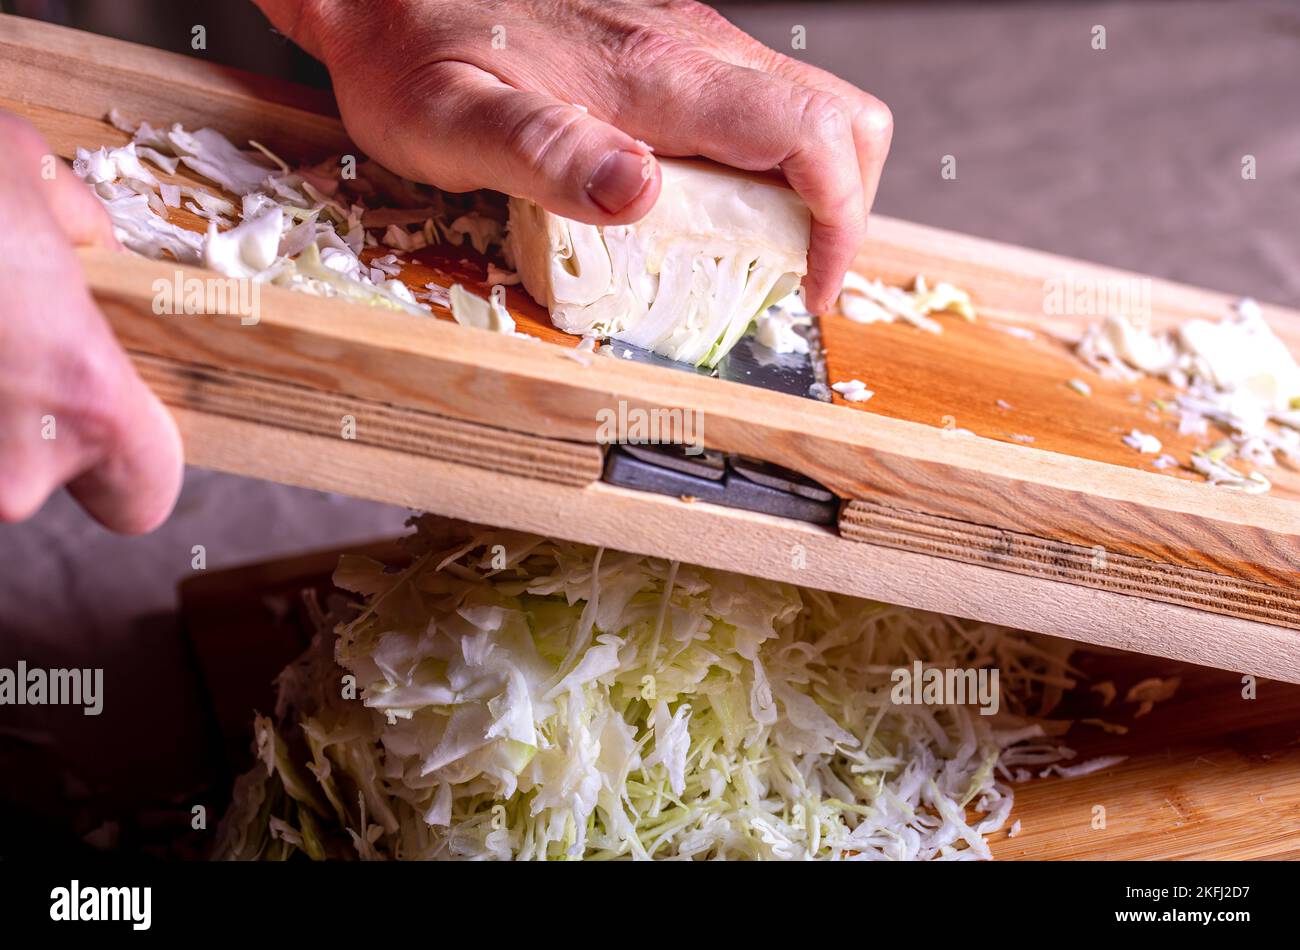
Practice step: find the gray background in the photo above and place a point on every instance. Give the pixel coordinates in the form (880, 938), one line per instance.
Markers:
(1129, 156)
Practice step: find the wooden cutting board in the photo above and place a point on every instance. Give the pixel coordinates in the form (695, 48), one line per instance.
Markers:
(1209, 774)
(1070, 534)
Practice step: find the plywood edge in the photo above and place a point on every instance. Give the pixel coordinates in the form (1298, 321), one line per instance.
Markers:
(292, 407)
(1095, 566)
(754, 544)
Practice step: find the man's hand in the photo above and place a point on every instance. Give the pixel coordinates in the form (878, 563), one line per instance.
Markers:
(72, 409)
(555, 100)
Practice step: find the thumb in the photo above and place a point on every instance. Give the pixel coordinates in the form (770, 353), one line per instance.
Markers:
(478, 132)
(133, 486)
(76, 210)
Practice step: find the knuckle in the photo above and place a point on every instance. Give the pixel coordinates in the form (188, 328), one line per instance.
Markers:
(846, 222)
(825, 117)
(877, 122)
(648, 64)
(690, 76)
(637, 47)
(540, 140)
(767, 59)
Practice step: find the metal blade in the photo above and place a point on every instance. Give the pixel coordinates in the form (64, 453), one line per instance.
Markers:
(739, 483)
(752, 363)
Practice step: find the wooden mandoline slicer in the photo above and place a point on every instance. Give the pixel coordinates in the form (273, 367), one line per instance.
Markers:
(1072, 534)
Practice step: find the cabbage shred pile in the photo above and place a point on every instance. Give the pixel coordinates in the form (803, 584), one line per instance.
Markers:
(307, 229)
(514, 697)
(1234, 372)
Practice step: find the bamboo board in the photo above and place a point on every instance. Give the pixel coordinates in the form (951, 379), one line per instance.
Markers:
(1209, 775)
(1013, 521)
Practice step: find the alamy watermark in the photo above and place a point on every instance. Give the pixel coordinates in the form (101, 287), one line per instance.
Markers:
(919, 686)
(189, 295)
(632, 425)
(1084, 296)
(34, 686)
(84, 902)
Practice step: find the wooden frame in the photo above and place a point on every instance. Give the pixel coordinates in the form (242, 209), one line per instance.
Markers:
(502, 430)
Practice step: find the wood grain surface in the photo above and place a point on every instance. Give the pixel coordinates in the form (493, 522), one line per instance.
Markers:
(1208, 774)
(978, 378)
(1073, 485)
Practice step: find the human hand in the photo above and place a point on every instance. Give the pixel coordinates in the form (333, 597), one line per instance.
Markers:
(467, 94)
(73, 411)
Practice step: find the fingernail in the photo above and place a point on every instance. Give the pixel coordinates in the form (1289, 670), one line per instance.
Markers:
(619, 179)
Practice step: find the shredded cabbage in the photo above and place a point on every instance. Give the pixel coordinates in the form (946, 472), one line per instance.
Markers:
(473, 311)
(1235, 372)
(873, 301)
(298, 229)
(514, 697)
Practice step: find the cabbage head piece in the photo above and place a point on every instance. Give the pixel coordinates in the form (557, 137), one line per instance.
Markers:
(685, 281)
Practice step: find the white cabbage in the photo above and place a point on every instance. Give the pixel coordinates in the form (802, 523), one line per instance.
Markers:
(523, 698)
(246, 250)
(874, 301)
(470, 310)
(140, 228)
(215, 157)
(108, 165)
(481, 231)
(1235, 372)
(776, 326)
(685, 281)
(290, 228)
